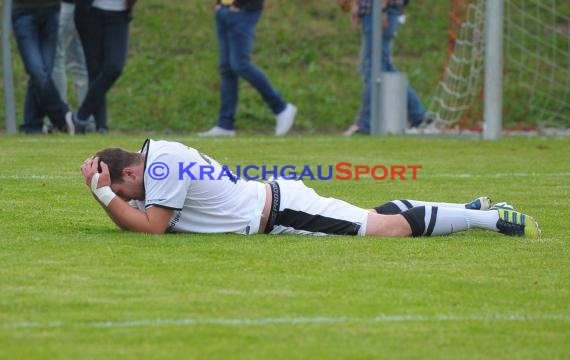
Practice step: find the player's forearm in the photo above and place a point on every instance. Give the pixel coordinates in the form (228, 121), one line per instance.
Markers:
(154, 220)
(128, 218)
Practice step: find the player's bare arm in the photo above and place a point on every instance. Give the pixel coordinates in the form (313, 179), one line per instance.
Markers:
(154, 220)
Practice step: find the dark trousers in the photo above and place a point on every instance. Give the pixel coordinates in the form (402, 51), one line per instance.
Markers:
(236, 35)
(36, 31)
(104, 36)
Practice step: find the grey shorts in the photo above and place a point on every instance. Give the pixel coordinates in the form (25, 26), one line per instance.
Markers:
(297, 209)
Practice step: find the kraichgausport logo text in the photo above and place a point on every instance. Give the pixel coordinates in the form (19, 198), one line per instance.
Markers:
(340, 171)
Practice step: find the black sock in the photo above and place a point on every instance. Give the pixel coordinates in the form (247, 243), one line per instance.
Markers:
(416, 217)
(388, 208)
(393, 207)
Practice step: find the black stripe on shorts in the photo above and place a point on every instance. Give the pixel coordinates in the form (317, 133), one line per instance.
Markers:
(300, 220)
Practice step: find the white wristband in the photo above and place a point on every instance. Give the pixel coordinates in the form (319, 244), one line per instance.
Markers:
(104, 194)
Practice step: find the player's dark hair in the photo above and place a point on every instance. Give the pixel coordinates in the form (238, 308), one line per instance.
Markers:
(117, 159)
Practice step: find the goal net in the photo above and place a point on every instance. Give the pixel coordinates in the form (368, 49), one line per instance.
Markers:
(536, 65)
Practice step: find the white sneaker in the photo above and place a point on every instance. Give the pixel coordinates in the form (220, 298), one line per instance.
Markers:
(285, 120)
(352, 129)
(217, 131)
(47, 128)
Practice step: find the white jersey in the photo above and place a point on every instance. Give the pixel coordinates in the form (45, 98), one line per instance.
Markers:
(205, 196)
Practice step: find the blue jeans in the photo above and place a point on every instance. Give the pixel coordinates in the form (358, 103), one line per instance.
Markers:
(69, 56)
(104, 36)
(416, 110)
(35, 31)
(236, 35)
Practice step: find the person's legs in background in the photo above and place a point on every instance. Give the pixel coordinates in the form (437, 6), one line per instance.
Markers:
(36, 34)
(241, 39)
(26, 34)
(104, 36)
(236, 35)
(33, 113)
(229, 88)
(69, 56)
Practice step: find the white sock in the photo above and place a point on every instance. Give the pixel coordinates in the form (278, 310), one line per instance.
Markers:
(404, 205)
(433, 220)
(450, 220)
(416, 203)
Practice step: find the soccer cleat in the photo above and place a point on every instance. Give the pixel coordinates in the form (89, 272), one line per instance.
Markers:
(501, 205)
(514, 223)
(217, 131)
(481, 203)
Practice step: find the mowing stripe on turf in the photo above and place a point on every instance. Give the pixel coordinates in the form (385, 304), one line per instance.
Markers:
(36, 177)
(319, 320)
(364, 176)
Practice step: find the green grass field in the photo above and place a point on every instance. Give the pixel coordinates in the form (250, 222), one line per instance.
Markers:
(73, 286)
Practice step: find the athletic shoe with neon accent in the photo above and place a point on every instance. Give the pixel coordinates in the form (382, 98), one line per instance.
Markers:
(502, 205)
(514, 223)
(481, 203)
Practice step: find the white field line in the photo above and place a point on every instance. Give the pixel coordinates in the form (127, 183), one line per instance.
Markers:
(38, 177)
(423, 174)
(319, 320)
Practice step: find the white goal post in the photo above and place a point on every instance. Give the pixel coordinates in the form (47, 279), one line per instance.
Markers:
(493, 99)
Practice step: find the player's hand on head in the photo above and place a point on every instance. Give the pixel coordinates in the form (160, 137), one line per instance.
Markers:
(93, 166)
(87, 169)
(104, 176)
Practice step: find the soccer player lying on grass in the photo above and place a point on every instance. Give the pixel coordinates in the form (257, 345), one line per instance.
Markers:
(162, 189)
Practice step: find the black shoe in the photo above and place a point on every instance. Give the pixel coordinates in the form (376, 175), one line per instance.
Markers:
(514, 223)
